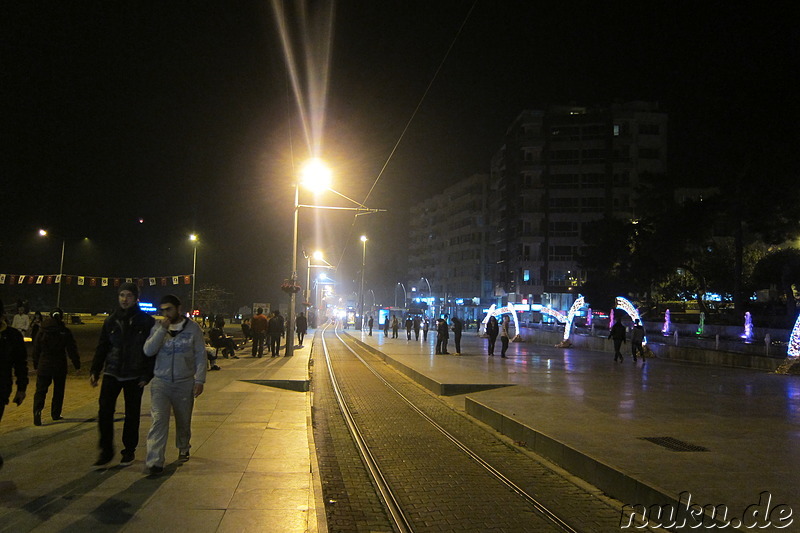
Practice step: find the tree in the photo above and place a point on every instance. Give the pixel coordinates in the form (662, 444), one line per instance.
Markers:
(213, 300)
(781, 268)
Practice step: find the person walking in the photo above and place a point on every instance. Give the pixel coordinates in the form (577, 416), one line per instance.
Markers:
(458, 328)
(13, 363)
(504, 336)
(301, 326)
(492, 331)
(275, 330)
(637, 339)
(426, 325)
(258, 327)
(395, 326)
(409, 324)
(386, 326)
(617, 333)
(370, 322)
(53, 344)
(417, 324)
(179, 376)
(120, 358)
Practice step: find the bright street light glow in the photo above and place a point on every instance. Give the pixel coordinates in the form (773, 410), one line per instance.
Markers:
(315, 175)
(43, 232)
(317, 255)
(363, 238)
(192, 237)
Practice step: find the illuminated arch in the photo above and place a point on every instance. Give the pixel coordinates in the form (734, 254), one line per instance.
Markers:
(627, 306)
(794, 340)
(497, 311)
(573, 311)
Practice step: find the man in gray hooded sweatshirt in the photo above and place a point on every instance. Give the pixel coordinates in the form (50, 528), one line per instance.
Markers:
(179, 375)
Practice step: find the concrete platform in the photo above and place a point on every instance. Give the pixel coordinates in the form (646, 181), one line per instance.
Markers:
(252, 467)
(590, 416)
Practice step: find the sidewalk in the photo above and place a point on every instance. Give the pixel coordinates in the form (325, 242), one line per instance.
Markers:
(252, 468)
(591, 416)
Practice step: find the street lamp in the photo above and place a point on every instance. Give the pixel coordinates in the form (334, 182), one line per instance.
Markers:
(405, 294)
(43, 233)
(316, 176)
(360, 324)
(193, 239)
(430, 296)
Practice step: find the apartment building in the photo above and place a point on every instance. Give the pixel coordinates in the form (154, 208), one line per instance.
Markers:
(559, 170)
(448, 264)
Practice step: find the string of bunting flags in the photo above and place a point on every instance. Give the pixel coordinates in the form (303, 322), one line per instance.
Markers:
(92, 281)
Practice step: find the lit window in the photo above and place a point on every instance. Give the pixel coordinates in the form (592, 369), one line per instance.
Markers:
(616, 130)
(526, 275)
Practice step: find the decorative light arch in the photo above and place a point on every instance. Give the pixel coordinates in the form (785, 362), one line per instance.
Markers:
(627, 306)
(497, 311)
(558, 315)
(794, 340)
(573, 311)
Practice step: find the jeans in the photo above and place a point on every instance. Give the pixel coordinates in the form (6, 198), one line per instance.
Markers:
(457, 339)
(504, 346)
(490, 343)
(43, 381)
(109, 392)
(163, 396)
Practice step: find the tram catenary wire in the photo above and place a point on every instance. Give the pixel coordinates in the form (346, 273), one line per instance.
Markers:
(384, 489)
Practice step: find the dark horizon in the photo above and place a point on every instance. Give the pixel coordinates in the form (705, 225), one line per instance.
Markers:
(115, 114)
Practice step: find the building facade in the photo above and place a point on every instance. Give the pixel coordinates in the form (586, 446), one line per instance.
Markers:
(559, 170)
(449, 268)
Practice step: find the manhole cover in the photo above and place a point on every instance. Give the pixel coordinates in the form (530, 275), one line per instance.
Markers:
(674, 444)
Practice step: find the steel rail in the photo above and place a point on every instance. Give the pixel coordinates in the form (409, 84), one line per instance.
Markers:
(537, 505)
(390, 501)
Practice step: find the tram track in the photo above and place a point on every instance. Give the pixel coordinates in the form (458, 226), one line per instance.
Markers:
(435, 470)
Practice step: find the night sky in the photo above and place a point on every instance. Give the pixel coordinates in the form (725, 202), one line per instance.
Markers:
(182, 115)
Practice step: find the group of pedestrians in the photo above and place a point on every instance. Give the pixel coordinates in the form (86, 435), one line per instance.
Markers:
(268, 330)
(618, 334)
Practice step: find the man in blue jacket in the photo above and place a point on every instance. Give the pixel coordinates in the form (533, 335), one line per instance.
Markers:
(180, 372)
(120, 358)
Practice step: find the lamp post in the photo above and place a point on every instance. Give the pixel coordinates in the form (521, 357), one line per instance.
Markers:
(43, 233)
(360, 324)
(405, 294)
(314, 175)
(193, 239)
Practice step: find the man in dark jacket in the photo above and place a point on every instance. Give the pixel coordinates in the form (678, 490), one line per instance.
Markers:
(275, 331)
(13, 362)
(301, 325)
(120, 357)
(617, 334)
(51, 347)
(458, 328)
(442, 336)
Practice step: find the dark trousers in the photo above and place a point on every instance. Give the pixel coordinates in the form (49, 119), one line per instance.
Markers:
(416, 334)
(503, 346)
(617, 346)
(275, 344)
(457, 339)
(408, 333)
(637, 348)
(370, 330)
(109, 392)
(394, 333)
(300, 336)
(490, 343)
(425, 335)
(258, 344)
(441, 344)
(43, 381)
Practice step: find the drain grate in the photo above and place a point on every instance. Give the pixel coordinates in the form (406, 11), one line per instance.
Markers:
(674, 444)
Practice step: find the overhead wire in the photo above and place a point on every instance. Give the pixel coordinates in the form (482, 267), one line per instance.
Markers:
(407, 126)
